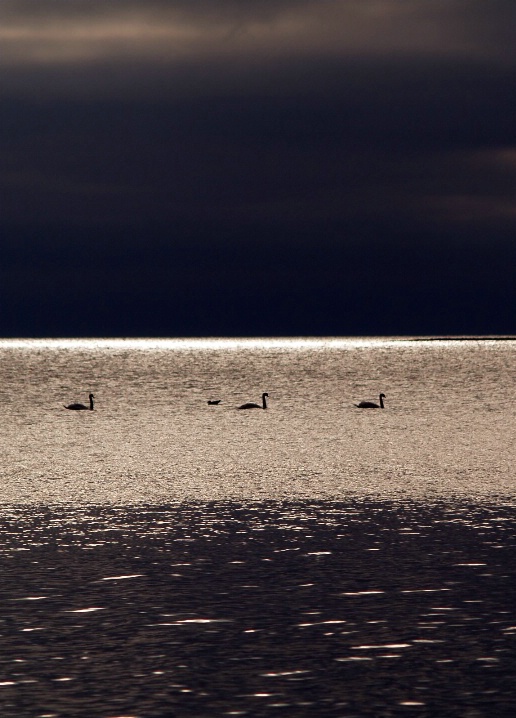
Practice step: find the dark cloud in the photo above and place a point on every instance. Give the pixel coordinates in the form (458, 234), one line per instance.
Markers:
(76, 282)
(130, 49)
(57, 31)
(358, 157)
(353, 138)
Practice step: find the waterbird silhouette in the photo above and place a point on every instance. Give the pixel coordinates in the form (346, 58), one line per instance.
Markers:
(214, 401)
(252, 405)
(80, 407)
(371, 404)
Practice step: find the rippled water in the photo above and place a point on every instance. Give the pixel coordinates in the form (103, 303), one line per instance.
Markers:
(160, 556)
(448, 427)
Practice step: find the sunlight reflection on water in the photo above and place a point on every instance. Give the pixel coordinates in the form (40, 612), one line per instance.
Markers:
(153, 437)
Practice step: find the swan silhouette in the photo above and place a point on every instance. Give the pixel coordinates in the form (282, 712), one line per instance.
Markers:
(252, 405)
(79, 407)
(214, 401)
(371, 404)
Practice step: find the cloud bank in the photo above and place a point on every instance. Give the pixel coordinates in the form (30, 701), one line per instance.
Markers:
(364, 130)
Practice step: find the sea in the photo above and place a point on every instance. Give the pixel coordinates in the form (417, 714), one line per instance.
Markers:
(163, 556)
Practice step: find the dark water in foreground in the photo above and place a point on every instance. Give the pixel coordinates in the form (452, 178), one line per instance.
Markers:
(359, 608)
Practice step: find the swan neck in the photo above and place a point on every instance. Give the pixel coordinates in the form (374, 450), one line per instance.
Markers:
(381, 401)
(264, 401)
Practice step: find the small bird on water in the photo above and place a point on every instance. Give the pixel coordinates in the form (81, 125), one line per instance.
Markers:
(214, 401)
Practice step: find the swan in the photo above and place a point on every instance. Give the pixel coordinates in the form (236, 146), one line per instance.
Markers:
(252, 405)
(371, 404)
(78, 407)
(214, 401)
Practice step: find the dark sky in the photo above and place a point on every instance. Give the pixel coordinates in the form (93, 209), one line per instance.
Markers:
(257, 167)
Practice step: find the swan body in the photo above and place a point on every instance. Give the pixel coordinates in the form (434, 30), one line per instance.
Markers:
(371, 404)
(80, 407)
(252, 405)
(214, 401)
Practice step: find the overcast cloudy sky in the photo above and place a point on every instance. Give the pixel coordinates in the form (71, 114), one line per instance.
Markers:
(244, 167)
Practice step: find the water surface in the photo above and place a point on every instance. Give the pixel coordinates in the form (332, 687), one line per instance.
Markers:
(448, 427)
(160, 556)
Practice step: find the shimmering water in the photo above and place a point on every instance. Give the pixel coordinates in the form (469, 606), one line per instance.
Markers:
(160, 556)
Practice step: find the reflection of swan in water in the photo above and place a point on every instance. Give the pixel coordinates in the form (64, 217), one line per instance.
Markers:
(371, 404)
(252, 405)
(214, 401)
(79, 407)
